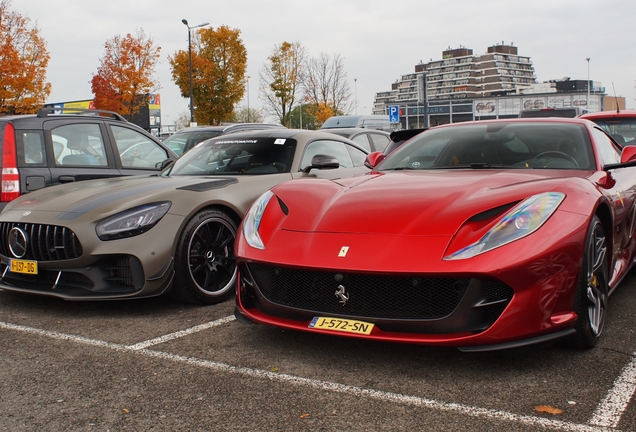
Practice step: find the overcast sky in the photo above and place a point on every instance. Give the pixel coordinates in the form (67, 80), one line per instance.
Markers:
(379, 40)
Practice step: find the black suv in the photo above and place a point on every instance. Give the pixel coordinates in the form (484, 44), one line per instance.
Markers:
(184, 139)
(46, 149)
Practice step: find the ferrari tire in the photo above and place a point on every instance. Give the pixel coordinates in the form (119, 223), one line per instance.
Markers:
(590, 303)
(205, 265)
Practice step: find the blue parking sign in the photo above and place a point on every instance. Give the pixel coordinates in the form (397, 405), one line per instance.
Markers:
(394, 114)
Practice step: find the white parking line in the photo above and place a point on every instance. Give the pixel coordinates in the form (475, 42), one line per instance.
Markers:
(326, 385)
(171, 336)
(610, 411)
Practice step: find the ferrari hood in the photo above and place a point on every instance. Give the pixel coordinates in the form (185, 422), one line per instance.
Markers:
(408, 203)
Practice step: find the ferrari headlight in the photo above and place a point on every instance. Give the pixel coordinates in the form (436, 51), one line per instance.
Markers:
(132, 222)
(522, 220)
(252, 220)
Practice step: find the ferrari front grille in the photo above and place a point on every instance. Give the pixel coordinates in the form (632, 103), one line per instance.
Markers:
(373, 296)
(44, 242)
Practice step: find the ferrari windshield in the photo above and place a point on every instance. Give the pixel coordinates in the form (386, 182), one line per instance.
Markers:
(523, 145)
(227, 156)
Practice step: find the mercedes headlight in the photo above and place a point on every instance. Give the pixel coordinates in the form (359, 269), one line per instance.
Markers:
(132, 222)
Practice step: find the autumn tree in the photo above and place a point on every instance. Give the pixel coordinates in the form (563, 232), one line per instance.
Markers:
(281, 80)
(124, 79)
(326, 86)
(23, 63)
(219, 63)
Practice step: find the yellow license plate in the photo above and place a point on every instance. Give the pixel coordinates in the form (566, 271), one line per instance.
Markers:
(23, 266)
(341, 325)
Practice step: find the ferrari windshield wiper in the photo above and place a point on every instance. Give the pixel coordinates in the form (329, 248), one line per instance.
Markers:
(476, 165)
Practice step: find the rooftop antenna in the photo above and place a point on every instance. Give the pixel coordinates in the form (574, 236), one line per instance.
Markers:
(618, 111)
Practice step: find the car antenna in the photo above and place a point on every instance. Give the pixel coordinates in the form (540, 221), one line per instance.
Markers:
(618, 111)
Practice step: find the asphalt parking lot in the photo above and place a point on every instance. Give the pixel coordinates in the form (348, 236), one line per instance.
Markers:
(156, 365)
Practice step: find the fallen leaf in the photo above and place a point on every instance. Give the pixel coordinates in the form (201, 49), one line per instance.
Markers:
(304, 416)
(125, 411)
(274, 369)
(548, 409)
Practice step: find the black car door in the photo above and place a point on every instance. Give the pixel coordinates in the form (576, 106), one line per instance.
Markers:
(79, 150)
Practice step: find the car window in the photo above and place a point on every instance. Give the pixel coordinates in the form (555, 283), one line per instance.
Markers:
(357, 156)
(336, 149)
(609, 153)
(622, 129)
(187, 140)
(363, 141)
(379, 141)
(137, 150)
(79, 145)
(31, 149)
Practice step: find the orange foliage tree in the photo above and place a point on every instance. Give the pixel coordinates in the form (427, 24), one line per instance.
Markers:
(124, 79)
(23, 63)
(281, 79)
(219, 62)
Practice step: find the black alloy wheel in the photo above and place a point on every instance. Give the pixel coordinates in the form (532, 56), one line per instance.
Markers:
(205, 265)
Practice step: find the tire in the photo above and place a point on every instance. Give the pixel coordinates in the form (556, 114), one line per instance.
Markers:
(590, 303)
(205, 265)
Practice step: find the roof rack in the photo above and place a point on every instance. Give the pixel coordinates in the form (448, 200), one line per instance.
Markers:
(47, 111)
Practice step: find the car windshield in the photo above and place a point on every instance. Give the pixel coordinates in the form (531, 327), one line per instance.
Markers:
(521, 145)
(236, 157)
(622, 129)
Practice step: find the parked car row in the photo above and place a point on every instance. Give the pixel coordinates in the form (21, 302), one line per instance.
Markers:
(479, 235)
(140, 236)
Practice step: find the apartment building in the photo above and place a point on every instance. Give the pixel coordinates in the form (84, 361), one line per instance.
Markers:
(465, 86)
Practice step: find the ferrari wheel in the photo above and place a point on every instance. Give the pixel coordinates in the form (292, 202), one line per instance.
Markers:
(205, 265)
(590, 303)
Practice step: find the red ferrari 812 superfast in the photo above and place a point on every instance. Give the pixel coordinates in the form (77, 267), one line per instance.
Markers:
(480, 235)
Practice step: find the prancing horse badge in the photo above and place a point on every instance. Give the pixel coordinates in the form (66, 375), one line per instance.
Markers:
(343, 251)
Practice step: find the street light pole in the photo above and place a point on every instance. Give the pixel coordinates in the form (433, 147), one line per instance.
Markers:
(355, 94)
(185, 21)
(248, 99)
(587, 102)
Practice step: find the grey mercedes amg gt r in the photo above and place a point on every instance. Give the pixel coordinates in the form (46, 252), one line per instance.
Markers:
(141, 236)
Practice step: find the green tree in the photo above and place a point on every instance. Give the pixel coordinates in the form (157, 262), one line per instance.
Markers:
(247, 115)
(23, 63)
(281, 79)
(124, 78)
(219, 63)
(303, 116)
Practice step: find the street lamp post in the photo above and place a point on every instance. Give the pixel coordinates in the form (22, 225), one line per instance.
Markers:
(248, 99)
(185, 21)
(355, 94)
(587, 102)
